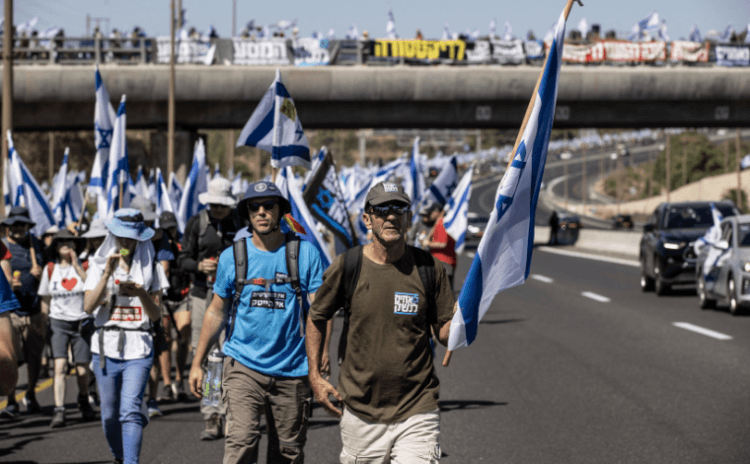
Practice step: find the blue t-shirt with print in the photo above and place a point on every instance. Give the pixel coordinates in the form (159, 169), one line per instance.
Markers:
(8, 300)
(266, 336)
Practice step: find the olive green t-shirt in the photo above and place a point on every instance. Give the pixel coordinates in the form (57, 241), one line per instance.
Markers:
(387, 374)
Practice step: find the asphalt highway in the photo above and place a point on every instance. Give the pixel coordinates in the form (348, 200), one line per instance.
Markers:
(575, 366)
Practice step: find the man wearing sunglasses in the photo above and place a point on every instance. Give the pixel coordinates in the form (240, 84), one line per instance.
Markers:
(387, 381)
(265, 368)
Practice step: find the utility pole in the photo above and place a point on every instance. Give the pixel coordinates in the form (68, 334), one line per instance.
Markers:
(51, 158)
(669, 165)
(234, 18)
(584, 185)
(229, 155)
(170, 109)
(739, 170)
(7, 88)
(726, 156)
(684, 165)
(180, 19)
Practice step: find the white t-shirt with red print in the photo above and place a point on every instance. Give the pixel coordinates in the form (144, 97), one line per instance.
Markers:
(66, 290)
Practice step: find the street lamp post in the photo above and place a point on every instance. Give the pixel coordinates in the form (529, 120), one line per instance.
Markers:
(565, 157)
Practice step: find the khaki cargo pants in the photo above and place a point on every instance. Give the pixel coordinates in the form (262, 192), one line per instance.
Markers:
(286, 403)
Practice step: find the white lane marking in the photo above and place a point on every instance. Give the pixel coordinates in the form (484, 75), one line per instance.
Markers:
(542, 278)
(702, 331)
(605, 259)
(596, 297)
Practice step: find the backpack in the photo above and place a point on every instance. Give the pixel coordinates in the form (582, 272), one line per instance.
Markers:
(204, 221)
(352, 266)
(240, 269)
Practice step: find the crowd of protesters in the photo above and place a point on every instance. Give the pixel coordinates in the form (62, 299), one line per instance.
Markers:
(115, 298)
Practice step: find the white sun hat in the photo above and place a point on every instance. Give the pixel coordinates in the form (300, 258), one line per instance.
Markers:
(219, 192)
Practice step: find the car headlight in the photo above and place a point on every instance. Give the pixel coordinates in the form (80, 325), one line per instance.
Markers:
(673, 246)
(747, 267)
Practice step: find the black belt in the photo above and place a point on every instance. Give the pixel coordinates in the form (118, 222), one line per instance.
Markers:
(120, 339)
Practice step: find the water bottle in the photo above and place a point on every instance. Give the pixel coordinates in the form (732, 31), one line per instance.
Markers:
(212, 386)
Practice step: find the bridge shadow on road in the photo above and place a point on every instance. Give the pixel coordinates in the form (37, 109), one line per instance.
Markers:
(452, 405)
(501, 321)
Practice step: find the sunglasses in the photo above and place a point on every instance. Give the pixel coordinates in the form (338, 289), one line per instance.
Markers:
(267, 205)
(384, 210)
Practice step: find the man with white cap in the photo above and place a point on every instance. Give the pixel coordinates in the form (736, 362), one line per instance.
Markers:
(207, 234)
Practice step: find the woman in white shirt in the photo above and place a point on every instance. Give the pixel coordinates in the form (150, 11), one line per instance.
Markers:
(61, 290)
(123, 289)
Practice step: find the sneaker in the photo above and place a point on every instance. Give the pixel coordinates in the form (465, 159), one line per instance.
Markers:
(10, 412)
(117, 461)
(32, 405)
(58, 418)
(153, 409)
(213, 428)
(165, 394)
(84, 406)
(178, 388)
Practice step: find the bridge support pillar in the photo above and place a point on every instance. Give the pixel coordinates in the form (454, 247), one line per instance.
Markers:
(184, 143)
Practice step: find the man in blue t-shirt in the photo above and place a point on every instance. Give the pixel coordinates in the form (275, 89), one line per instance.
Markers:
(265, 369)
(8, 356)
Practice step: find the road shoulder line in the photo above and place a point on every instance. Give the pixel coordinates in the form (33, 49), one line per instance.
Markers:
(578, 254)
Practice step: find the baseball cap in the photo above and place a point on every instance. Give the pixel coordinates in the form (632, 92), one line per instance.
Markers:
(385, 192)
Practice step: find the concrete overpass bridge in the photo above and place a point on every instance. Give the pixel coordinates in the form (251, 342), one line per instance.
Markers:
(62, 97)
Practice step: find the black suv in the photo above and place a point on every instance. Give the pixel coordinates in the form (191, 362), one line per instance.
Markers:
(666, 252)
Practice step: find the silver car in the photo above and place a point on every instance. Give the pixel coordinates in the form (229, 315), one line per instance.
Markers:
(723, 270)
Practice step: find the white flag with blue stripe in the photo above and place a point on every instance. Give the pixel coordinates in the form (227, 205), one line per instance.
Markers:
(275, 127)
(141, 185)
(289, 187)
(25, 191)
(163, 201)
(62, 204)
(503, 258)
(104, 120)
(175, 189)
(414, 184)
(195, 184)
(118, 177)
(456, 218)
(444, 185)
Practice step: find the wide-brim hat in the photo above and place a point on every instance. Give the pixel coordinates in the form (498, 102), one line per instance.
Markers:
(128, 223)
(145, 206)
(385, 192)
(219, 192)
(97, 229)
(65, 234)
(18, 214)
(264, 189)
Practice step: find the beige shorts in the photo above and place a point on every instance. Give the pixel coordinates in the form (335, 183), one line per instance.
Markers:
(413, 440)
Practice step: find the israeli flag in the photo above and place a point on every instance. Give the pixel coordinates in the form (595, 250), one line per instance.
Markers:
(456, 218)
(503, 257)
(507, 32)
(275, 128)
(62, 204)
(444, 185)
(104, 119)
(289, 187)
(711, 238)
(493, 28)
(141, 186)
(118, 175)
(695, 34)
(414, 184)
(195, 184)
(175, 189)
(163, 201)
(25, 191)
(390, 26)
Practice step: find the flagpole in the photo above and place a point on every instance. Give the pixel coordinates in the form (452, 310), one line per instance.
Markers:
(529, 109)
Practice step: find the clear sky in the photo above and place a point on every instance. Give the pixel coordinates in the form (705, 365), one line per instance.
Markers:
(429, 16)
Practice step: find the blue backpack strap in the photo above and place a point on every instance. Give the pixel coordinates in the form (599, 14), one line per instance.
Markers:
(292, 268)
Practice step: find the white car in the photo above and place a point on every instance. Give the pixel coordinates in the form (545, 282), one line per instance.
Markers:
(723, 270)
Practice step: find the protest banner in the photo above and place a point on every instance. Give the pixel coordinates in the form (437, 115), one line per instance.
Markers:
(690, 52)
(428, 50)
(733, 55)
(194, 51)
(508, 52)
(311, 52)
(261, 52)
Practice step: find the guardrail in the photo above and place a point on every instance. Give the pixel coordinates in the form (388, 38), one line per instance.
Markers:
(379, 52)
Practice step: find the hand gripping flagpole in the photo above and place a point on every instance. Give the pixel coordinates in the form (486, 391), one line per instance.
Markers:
(529, 110)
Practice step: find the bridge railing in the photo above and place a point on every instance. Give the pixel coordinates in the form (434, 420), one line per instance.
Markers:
(379, 52)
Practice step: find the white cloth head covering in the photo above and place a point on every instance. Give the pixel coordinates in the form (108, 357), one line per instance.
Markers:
(141, 267)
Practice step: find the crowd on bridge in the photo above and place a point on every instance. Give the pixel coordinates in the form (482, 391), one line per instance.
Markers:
(648, 42)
